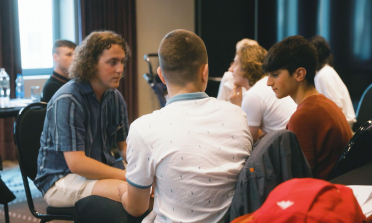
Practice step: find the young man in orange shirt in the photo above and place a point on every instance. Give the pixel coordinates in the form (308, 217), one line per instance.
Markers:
(320, 126)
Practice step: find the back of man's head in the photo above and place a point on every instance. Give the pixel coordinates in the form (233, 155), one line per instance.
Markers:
(292, 53)
(61, 43)
(323, 49)
(181, 54)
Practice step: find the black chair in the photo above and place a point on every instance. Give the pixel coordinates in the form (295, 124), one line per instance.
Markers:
(154, 81)
(357, 153)
(6, 195)
(27, 131)
(364, 110)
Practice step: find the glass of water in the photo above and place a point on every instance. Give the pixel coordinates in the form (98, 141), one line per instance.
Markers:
(35, 93)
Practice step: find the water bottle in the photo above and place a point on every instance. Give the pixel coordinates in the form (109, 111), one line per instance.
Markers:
(19, 86)
(4, 88)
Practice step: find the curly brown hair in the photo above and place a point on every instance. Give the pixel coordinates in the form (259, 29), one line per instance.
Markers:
(84, 65)
(251, 58)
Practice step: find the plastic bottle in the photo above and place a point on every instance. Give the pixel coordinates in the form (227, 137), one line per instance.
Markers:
(4, 88)
(19, 87)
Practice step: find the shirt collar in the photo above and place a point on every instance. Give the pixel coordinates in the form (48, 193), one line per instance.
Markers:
(187, 96)
(84, 87)
(63, 79)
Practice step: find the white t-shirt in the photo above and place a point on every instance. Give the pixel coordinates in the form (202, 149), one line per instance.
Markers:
(193, 150)
(328, 83)
(226, 85)
(265, 110)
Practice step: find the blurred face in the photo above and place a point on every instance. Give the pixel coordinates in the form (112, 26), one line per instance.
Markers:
(282, 83)
(238, 73)
(63, 58)
(110, 68)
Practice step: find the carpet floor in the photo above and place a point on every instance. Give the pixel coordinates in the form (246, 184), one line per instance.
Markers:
(18, 208)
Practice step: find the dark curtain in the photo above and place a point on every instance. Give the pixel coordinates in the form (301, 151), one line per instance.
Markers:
(118, 16)
(10, 59)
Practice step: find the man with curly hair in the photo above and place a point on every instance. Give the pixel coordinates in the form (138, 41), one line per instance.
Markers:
(85, 119)
(264, 111)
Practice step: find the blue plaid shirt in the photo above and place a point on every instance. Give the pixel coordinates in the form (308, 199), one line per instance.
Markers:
(76, 121)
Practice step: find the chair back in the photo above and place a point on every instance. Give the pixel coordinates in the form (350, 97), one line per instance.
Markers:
(153, 79)
(276, 158)
(357, 153)
(364, 110)
(27, 132)
(28, 128)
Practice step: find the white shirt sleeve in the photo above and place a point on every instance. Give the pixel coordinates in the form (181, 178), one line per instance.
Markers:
(140, 168)
(226, 86)
(331, 90)
(252, 106)
(328, 85)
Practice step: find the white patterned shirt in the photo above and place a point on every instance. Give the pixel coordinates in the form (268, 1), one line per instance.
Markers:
(192, 150)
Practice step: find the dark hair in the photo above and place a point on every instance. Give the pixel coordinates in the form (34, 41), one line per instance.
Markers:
(181, 53)
(323, 49)
(292, 53)
(83, 66)
(251, 58)
(60, 43)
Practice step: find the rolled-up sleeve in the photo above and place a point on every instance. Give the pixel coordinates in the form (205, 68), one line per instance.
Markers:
(140, 168)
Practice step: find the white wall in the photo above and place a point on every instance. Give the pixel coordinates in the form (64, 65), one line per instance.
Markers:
(155, 18)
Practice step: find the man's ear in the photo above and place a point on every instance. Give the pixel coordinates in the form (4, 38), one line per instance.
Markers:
(204, 71)
(300, 74)
(55, 57)
(161, 75)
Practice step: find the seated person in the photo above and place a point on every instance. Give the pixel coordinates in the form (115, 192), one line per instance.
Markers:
(227, 81)
(328, 83)
(84, 120)
(320, 126)
(264, 111)
(190, 150)
(63, 51)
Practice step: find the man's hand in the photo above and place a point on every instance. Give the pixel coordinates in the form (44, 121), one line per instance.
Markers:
(122, 188)
(122, 146)
(235, 96)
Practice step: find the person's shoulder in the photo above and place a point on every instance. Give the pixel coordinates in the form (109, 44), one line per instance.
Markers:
(156, 116)
(316, 106)
(260, 89)
(68, 91)
(327, 72)
(227, 76)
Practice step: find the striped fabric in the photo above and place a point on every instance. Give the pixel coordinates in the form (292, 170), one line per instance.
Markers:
(76, 121)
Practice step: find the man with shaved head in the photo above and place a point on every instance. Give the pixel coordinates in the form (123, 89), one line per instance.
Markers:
(190, 151)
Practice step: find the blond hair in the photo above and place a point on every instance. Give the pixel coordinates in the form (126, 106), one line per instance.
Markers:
(251, 58)
(246, 42)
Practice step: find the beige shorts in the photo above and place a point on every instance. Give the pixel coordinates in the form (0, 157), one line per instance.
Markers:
(69, 189)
